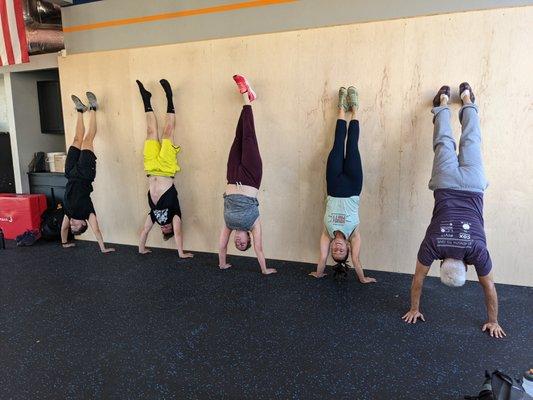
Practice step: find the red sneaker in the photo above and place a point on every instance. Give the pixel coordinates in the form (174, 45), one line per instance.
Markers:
(244, 87)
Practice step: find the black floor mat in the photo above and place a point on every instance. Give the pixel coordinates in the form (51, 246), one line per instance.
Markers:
(78, 324)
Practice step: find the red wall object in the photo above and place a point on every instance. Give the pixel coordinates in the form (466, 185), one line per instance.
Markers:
(20, 212)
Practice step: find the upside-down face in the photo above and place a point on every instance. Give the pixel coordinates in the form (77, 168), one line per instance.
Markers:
(166, 229)
(242, 240)
(78, 226)
(339, 249)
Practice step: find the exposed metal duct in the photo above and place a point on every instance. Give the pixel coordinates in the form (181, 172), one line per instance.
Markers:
(43, 26)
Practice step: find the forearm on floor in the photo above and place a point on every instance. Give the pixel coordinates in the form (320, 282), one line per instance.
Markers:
(359, 271)
(100, 240)
(179, 242)
(491, 298)
(222, 257)
(64, 236)
(416, 293)
(142, 240)
(261, 259)
(321, 267)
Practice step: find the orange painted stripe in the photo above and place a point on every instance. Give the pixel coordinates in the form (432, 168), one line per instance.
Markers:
(176, 14)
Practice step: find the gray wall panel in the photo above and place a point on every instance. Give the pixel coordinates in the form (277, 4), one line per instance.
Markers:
(273, 18)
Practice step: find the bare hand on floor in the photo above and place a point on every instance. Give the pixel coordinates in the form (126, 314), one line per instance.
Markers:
(494, 329)
(269, 271)
(412, 316)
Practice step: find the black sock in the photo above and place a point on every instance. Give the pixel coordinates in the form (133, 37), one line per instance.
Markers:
(168, 92)
(146, 95)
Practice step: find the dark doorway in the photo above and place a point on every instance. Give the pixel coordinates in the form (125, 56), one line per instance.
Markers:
(7, 176)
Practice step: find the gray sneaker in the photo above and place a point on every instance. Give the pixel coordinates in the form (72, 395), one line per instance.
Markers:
(343, 99)
(93, 103)
(80, 107)
(353, 98)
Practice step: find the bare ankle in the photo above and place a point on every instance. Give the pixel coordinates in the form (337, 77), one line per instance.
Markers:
(465, 97)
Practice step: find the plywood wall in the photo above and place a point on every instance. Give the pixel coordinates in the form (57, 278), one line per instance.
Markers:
(396, 65)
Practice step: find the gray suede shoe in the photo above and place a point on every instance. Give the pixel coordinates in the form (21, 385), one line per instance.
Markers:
(80, 107)
(343, 103)
(353, 98)
(93, 103)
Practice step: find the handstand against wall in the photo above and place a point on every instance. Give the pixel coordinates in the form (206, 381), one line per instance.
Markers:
(456, 234)
(160, 165)
(244, 174)
(344, 177)
(80, 171)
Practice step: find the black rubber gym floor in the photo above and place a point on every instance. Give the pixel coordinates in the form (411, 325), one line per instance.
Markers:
(77, 324)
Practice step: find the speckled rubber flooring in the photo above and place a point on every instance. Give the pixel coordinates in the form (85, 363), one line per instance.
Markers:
(77, 324)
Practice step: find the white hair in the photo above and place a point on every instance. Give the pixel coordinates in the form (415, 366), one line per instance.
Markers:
(453, 272)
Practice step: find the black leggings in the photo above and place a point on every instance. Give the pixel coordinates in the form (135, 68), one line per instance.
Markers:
(345, 175)
(244, 160)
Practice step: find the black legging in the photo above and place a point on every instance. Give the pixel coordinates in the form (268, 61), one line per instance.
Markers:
(345, 175)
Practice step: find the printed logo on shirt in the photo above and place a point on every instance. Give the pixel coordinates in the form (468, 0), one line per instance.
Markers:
(465, 234)
(338, 219)
(161, 216)
(446, 229)
(458, 237)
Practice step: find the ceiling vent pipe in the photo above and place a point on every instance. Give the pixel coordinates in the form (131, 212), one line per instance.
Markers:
(43, 26)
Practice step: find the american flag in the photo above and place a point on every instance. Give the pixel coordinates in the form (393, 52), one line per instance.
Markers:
(13, 45)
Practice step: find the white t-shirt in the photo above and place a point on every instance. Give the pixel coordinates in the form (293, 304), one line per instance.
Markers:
(342, 214)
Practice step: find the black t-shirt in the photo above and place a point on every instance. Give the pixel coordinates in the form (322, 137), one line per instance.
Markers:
(168, 205)
(78, 204)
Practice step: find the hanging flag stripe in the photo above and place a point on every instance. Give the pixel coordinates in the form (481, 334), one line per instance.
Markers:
(13, 44)
(7, 35)
(3, 54)
(21, 31)
(13, 32)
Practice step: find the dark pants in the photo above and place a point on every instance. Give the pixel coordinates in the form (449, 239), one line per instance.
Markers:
(345, 175)
(80, 164)
(244, 161)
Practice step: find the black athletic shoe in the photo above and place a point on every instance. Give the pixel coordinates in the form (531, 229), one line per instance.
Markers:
(443, 90)
(28, 238)
(466, 86)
